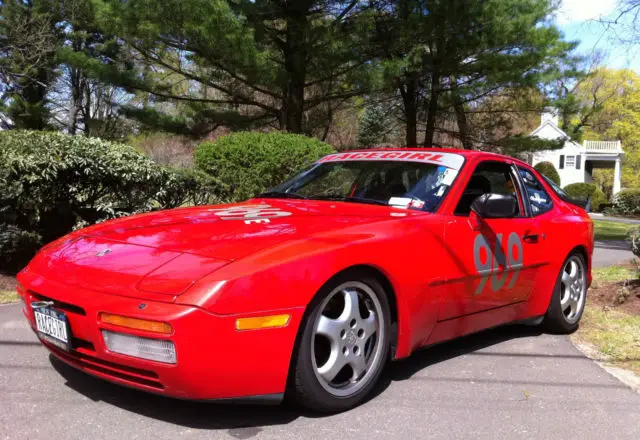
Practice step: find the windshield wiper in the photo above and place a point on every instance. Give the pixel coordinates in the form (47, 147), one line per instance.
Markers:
(281, 195)
(351, 199)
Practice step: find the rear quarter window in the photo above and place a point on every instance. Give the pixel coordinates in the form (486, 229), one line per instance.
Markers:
(538, 198)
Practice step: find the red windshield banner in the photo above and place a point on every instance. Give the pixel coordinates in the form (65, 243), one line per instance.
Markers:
(448, 160)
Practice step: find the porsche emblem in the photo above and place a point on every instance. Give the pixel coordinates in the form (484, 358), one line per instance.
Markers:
(103, 252)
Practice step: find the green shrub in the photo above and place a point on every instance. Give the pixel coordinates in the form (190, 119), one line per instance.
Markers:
(51, 183)
(251, 163)
(16, 247)
(189, 187)
(626, 202)
(633, 237)
(598, 200)
(547, 169)
(583, 191)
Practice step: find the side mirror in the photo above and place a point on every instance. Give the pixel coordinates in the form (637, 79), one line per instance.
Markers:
(495, 206)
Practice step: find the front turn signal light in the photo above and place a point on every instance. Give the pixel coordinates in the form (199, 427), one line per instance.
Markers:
(135, 323)
(260, 322)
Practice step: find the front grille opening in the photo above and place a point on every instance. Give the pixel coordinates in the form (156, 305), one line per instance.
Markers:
(124, 368)
(109, 369)
(59, 304)
(81, 343)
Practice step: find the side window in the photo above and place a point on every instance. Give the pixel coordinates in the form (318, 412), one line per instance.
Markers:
(488, 177)
(538, 198)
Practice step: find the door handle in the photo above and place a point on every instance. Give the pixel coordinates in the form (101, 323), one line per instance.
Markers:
(531, 238)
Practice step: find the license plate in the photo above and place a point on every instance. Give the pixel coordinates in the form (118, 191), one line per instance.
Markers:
(52, 327)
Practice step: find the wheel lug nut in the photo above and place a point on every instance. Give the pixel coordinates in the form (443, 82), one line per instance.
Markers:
(343, 334)
(353, 323)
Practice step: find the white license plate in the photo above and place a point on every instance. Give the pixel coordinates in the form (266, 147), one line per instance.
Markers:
(52, 326)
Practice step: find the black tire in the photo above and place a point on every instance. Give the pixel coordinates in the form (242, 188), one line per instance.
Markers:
(306, 388)
(555, 320)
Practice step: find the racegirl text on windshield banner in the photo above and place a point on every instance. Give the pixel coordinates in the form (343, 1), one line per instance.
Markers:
(449, 160)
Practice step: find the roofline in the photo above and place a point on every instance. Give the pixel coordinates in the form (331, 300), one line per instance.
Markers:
(558, 130)
(465, 153)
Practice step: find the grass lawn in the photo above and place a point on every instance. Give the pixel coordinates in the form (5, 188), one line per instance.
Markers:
(606, 230)
(8, 296)
(611, 320)
(611, 274)
(615, 334)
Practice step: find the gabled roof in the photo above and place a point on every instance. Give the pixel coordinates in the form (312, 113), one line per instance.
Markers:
(561, 133)
(553, 126)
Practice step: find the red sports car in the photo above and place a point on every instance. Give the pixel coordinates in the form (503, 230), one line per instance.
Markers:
(311, 288)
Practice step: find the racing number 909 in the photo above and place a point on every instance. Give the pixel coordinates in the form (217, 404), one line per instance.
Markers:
(489, 267)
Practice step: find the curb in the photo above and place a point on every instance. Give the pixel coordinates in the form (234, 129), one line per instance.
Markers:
(627, 377)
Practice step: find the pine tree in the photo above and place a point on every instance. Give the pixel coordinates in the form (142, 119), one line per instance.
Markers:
(374, 126)
(28, 42)
(244, 63)
(445, 57)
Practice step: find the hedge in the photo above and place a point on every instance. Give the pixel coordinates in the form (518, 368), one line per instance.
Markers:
(548, 170)
(633, 237)
(52, 183)
(626, 202)
(585, 190)
(250, 162)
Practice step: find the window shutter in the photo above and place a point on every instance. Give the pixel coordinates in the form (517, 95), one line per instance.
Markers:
(578, 157)
(562, 161)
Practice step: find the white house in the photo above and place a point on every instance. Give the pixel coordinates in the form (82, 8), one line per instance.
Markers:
(575, 162)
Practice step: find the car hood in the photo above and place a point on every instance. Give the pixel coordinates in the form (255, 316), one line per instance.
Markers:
(165, 252)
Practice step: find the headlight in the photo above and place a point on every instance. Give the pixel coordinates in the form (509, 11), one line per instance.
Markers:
(158, 350)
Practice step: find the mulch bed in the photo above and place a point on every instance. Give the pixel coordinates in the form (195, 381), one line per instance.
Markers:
(7, 282)
(623, 296)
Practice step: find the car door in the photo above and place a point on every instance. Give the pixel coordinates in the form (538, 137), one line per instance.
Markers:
(493, 261)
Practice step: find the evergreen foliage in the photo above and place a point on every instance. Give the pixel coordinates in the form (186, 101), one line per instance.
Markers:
(51, 183)
(250, 163)
(547, 169)
(627, 203)
(584, 191)
(375, 126)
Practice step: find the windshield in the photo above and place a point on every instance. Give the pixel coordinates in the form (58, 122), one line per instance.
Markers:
(412, 185)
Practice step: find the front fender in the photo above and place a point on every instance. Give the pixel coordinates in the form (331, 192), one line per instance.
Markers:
(289, 275)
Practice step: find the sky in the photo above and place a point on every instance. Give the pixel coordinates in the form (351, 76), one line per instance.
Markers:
(579, 20)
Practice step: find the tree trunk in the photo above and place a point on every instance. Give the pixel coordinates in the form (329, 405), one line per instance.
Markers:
(463, 126)
(76, 100)
(327, 127)
(409, 100)
(86, 112)
(461, 116)
(432, 110)
(295, 61)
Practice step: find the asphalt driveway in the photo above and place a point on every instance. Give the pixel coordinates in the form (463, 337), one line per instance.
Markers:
(610, 253)
(510, 382)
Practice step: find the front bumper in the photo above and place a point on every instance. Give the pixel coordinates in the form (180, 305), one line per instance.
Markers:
(214, 360)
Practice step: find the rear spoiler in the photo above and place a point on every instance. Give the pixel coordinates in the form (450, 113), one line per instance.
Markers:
(581, 203)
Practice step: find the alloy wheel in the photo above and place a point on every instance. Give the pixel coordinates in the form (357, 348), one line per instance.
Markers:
(573, 289)
(347, 342)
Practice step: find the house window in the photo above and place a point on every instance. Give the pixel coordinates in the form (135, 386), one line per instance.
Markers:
(570, 161)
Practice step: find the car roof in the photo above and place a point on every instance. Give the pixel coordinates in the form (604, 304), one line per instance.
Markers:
(465, 153)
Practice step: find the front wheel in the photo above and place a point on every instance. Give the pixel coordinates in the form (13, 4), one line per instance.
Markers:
(344, 344)
(569, 296)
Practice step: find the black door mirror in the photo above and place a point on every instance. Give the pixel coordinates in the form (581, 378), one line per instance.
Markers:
(495, 206)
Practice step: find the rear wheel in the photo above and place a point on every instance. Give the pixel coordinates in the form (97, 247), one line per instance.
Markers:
(344, 345)
(569, 296)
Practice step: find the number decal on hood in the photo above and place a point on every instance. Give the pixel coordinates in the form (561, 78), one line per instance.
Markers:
(494, 259)
(250, 213)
